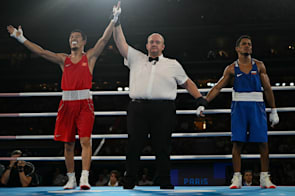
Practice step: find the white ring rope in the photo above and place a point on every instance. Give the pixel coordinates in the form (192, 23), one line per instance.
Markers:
(124, 136)
(123, 113)
(172, 157)
(44, 94)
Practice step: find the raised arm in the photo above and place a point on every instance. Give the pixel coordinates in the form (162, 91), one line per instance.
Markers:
(119, 38)
(223, 81)
(120, 41)
(6, 174)
(94, 52)
(57, 58)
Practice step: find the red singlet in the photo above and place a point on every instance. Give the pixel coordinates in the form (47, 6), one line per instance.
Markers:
(75, 114)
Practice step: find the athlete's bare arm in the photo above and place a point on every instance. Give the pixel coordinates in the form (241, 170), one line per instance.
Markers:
(228, 74)
(57, 58)
(93, 53)
(266, 84)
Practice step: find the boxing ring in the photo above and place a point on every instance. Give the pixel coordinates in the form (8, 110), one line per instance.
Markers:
(143, 190)
(149, 191)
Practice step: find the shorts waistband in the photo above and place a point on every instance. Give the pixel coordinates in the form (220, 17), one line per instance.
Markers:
(247, 96)
(76, 95)
(152, 101)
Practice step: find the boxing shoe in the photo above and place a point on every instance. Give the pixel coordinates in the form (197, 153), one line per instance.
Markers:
(84, 184)
(71, 184)
(265, 181)
(236, 181)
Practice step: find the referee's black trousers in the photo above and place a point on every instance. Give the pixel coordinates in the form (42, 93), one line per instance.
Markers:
(156, 117)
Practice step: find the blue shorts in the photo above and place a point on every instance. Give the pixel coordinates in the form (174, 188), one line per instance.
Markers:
(248, 121)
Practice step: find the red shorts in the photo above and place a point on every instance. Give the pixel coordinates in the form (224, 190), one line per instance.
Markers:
(74, 116)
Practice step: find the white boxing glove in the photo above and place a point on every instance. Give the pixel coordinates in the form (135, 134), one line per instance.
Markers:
(200, 110)
(18, 34)
(116, 13)
(201, 104)
(274, 117)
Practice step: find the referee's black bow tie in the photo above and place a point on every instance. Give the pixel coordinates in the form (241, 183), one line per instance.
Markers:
(153, 59)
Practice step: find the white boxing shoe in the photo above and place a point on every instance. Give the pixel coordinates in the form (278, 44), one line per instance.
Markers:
(71, 184)
(84, 185)
(236, 181)
(265, 181)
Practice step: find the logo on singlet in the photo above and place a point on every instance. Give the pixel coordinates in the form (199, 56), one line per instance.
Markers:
(238, 75)
(84, 64)
(67, 65)
(253, 72)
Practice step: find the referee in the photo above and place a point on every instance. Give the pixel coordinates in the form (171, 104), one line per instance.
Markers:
(153, 88)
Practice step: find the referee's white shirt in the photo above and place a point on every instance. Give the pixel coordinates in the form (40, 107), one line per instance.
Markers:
(153, 80)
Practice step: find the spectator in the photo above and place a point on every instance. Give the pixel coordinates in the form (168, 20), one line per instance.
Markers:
(248, 177)
(114, 180)
(18, 173)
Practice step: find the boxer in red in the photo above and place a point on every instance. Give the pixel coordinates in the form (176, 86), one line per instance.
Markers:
(75, 112)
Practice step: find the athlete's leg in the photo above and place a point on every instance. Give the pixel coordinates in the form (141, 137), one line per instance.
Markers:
(236, 155)
(69, 156)
(86, 152)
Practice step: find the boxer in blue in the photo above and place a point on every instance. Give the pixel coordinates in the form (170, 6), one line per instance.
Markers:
(248, 116)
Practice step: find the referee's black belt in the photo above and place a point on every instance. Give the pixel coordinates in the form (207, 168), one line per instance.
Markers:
(152, 101)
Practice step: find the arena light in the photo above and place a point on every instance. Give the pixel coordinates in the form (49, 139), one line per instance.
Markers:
(120, 89)
(126, 88)
(204, 125)
(283, 84)
(291, 83)
(277, 84)
(210, 84)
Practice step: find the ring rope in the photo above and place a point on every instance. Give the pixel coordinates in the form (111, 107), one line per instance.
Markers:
(172, 157)
(42, 94)
(124, 136)
(123, 113)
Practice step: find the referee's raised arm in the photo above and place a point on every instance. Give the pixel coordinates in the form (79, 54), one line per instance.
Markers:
(119, 37)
